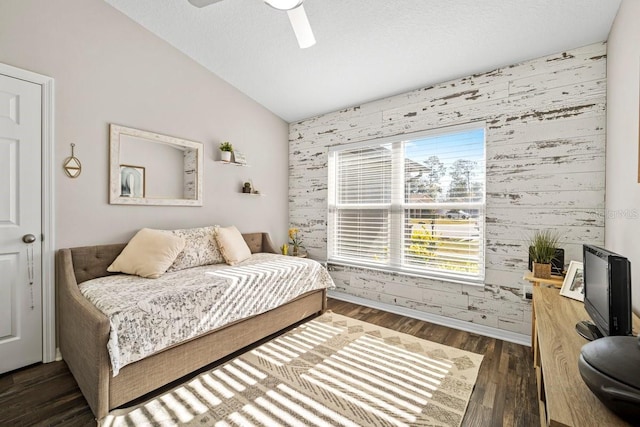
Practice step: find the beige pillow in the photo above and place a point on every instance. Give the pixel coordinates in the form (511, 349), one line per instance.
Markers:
(200, 248)
(148, 254)
(232, 245)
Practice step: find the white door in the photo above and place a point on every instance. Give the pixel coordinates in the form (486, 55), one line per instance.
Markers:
(20, 218)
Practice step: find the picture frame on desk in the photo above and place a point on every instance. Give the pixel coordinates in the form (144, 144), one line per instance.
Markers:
(573, 285)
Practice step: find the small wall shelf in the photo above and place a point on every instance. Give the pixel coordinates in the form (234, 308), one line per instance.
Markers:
(253, 194)
(232, 163)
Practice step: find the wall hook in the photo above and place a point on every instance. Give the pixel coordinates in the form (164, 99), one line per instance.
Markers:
(72, 166)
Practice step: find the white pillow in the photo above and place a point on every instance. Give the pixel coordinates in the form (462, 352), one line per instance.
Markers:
(148, 254)
(232, 245)
(200, 248)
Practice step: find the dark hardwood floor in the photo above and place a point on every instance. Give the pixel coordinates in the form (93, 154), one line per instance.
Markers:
(504, 395)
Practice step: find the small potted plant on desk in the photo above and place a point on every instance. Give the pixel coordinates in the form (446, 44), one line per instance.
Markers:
(542, 249)
(225, 151)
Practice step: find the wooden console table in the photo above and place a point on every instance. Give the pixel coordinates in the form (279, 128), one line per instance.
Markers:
(565, 400)
(555, 281)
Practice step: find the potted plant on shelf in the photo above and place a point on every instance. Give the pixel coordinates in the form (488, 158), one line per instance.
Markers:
(542, 249)
(225, 151)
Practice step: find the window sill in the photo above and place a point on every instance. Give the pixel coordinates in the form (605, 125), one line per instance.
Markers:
(398, 272)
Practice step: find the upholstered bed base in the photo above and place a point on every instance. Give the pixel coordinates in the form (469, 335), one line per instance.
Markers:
(83, 332)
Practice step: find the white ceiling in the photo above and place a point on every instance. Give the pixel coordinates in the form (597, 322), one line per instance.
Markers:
(366, 49)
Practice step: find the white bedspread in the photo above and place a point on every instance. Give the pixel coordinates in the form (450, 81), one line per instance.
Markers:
(149, 315)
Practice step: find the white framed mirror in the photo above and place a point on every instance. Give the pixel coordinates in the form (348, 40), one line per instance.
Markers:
(147, 168)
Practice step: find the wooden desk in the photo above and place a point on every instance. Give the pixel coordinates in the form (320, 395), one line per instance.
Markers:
(565, 400)
(556, 282)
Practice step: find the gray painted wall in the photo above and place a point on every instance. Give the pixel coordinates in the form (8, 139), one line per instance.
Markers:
(108, 69)
(623, 190)
(545, 169)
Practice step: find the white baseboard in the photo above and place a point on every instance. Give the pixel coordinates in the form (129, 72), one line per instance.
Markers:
(437, 319)
(58, 355)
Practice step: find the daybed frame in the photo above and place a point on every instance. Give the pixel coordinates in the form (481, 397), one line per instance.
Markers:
(83, 332)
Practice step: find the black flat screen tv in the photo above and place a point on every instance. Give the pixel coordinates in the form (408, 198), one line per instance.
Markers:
(607, 292)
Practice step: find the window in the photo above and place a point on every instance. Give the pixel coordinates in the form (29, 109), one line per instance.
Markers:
(413, 203)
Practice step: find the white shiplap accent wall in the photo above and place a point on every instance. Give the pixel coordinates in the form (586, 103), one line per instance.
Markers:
(545, 169)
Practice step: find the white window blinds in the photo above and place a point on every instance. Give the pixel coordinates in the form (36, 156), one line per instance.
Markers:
(363, 201)
(413, 203)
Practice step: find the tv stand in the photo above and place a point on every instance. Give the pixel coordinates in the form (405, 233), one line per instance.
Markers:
(588, 330)
(564, 398)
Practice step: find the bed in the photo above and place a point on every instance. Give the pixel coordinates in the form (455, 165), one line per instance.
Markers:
(84, 332)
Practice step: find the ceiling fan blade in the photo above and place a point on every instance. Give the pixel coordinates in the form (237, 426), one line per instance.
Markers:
(203, 3)
(301, 27)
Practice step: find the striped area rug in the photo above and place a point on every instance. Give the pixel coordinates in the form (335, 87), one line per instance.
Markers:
(330, 371)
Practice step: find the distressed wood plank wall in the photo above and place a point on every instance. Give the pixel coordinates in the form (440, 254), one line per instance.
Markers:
(545, 169)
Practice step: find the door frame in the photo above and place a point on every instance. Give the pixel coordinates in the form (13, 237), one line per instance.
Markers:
(48, 213)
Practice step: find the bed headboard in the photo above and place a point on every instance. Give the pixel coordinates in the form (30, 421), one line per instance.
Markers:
(90, 262)
(259, 242)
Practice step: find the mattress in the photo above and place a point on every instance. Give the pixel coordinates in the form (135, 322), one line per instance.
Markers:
(149, 315)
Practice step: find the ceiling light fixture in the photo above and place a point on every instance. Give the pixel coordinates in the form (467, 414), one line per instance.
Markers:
(283, 4)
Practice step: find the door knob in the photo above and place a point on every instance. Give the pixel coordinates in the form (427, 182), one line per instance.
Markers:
(28, 238)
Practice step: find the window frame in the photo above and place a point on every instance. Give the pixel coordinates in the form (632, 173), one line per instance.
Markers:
(397, 207)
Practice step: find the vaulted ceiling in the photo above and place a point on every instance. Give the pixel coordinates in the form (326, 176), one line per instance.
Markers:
(366, 49)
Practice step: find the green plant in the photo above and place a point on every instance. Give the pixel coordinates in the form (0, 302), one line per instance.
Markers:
(226, 146)
(542, 246)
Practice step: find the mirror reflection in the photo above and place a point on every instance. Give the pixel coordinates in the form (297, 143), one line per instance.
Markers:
(154, 169)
